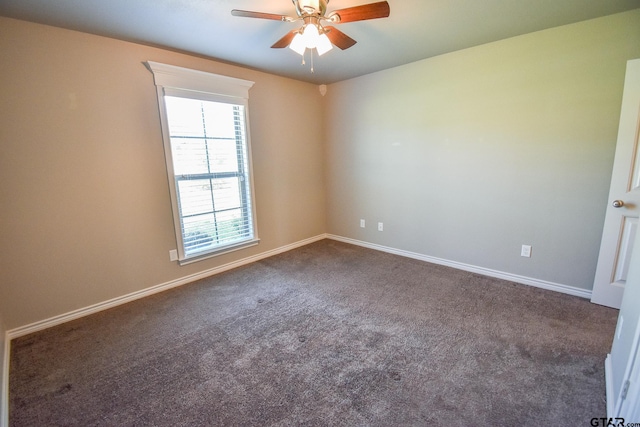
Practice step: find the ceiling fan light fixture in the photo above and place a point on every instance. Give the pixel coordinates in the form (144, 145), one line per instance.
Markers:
(311, 36)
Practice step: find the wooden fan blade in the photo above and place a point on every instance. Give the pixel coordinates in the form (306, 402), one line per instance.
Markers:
(364, 12)
(261, 15)
(339, 38)
(285, 41)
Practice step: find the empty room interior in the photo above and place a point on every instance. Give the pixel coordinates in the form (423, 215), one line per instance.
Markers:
(423, 214)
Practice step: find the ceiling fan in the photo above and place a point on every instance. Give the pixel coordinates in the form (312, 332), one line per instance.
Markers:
(313, 34)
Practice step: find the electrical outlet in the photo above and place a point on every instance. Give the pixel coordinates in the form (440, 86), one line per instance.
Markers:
(173, 255)
(362, 223)
(380, 227)
(526, 251)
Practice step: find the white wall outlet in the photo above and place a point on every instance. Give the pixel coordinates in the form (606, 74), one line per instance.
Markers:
(526, 251)
(362, 223)
(173, 255)
(380, 226)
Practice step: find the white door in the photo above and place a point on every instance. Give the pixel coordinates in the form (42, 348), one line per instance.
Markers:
(623, 364)
(621, 220)
(630, 406)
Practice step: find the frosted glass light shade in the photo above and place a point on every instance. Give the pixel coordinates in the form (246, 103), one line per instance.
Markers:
(324, 45)
(298, 44)
(311, 35)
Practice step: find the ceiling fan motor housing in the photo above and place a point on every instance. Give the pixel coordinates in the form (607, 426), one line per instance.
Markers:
(310, 7)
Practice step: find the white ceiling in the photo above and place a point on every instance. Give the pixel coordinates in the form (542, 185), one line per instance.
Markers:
(416, 29)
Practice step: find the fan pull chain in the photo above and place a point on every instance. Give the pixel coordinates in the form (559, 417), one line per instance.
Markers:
(311, 54)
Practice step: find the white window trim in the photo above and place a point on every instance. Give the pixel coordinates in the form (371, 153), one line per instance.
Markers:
(173, 80)
(199, 81)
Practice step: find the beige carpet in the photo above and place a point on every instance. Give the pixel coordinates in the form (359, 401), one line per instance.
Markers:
(327, 334)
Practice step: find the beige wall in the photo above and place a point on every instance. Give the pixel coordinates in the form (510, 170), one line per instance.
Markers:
(85, 209)
(469, 155)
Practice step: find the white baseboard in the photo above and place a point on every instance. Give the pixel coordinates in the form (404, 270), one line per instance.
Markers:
(76, 314)
(565, 289)
(608, 371)
(4, 402)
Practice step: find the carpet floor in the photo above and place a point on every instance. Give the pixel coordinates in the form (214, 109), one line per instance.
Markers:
(326, 334)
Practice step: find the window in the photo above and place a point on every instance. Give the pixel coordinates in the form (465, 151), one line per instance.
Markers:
(204, 125)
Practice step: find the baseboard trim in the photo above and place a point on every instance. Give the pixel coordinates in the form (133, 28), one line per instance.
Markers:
(4, 418)
(565, 289)
(76, 314)
(608, 371)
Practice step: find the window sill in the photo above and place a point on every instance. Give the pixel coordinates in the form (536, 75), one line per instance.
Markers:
(221, 251)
